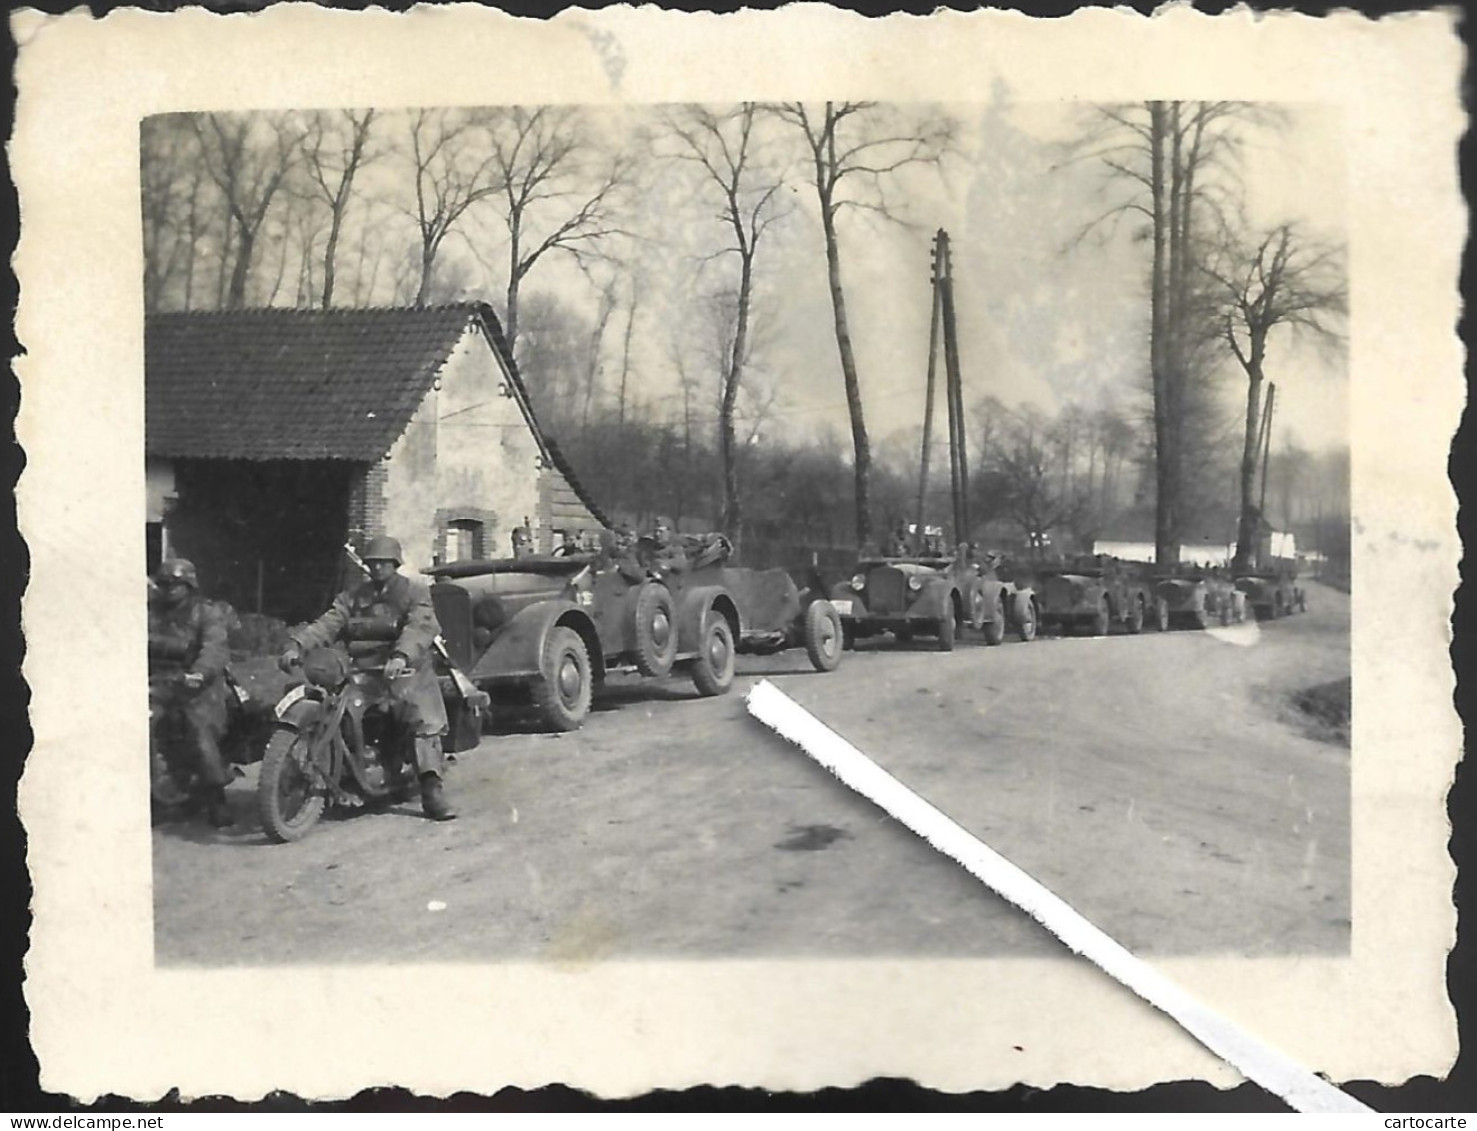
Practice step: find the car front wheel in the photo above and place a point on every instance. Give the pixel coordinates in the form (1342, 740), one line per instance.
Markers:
(1102, 619)
(946, 631)
(823, 635)
(563, 689)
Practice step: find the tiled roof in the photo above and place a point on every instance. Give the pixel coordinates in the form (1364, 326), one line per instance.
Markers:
(293, 384)
(562, 465)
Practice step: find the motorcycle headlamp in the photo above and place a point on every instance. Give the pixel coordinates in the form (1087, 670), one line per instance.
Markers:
(859, 581)
(915, 583)
(325, 667)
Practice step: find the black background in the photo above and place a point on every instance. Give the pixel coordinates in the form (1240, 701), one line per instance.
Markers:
(19, 1087)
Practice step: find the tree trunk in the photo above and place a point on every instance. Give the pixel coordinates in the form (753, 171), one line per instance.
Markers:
(515, 278)
(328, 256)
(732, 515)
(862, 467)
(1249, 527)
(428, 261)
(626, 352)
(1165, 550)
(236, 294)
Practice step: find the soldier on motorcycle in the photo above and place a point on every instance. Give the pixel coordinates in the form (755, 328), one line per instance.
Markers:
(188, 654)
(388, 620)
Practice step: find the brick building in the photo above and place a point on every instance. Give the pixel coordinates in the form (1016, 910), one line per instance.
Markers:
(273, 436)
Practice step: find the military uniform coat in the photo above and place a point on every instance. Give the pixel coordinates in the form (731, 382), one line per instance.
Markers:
(375, 623)
(190, 638)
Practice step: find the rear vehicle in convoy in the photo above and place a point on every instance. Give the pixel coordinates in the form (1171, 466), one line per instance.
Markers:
(1093, 593)
(932, 596)
(1272, 593)
(1196, 598)
(776, 614)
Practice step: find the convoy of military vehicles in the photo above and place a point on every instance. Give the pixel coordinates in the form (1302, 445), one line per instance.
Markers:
(544, 630)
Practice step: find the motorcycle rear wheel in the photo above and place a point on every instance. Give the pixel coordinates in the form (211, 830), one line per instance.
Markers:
(289, 803)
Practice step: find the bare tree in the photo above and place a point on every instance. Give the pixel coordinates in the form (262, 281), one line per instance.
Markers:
(1178, 162)
(1030, 478)
(1282, 277)
(724, 146)
(170, 184)
(336, 146)
(852, 149)
(249, 157)
(453, 170)
(556, 189)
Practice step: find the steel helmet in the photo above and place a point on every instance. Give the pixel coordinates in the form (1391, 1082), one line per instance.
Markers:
(177, 569)
(383, 549)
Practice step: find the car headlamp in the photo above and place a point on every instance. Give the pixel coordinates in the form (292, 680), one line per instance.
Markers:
(859, 581)
(915, 583)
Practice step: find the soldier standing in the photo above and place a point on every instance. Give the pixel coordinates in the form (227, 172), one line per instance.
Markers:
(389, 620)
(187, 685)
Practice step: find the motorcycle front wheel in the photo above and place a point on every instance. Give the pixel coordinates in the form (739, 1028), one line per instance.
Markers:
(288, 798)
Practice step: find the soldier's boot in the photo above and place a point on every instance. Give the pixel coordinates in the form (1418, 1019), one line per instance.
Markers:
(217, 811)
(430, 759)
(433, 799)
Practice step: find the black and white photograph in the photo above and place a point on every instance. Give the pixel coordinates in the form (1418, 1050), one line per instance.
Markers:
(478, 445)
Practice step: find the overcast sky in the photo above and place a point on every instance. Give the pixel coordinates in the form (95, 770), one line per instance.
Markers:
(1044, 317)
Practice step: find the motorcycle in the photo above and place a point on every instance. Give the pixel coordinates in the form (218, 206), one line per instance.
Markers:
(334, 744)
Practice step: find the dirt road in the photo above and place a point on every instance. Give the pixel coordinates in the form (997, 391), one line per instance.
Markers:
(1160, 783)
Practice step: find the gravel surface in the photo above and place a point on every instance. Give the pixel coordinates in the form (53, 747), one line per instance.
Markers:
(1158, 782)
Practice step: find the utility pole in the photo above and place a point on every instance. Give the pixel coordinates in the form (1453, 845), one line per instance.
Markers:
(933, 349)
(959, 460)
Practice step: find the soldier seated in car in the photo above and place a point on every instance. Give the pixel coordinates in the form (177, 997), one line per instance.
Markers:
(389, 620)
(188, 654)
(657, 553)
(898, 544)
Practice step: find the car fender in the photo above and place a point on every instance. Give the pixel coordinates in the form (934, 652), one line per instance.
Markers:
(693, 611)
(996, 590)
(843, 591)
(1019, 601)
(936, 599)
(517, 650)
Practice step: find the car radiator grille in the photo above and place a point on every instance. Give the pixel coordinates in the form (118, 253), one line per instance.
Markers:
(887, 591)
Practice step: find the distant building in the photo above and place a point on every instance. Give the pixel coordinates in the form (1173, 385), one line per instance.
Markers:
(1203, 548)
(273, 436)
(1130, 536)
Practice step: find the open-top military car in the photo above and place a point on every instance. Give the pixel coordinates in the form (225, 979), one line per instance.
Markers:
(931, 596)
(555, 625)
(1196, 597)
(1273, 593)
(770, 613)
(1095, 592)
